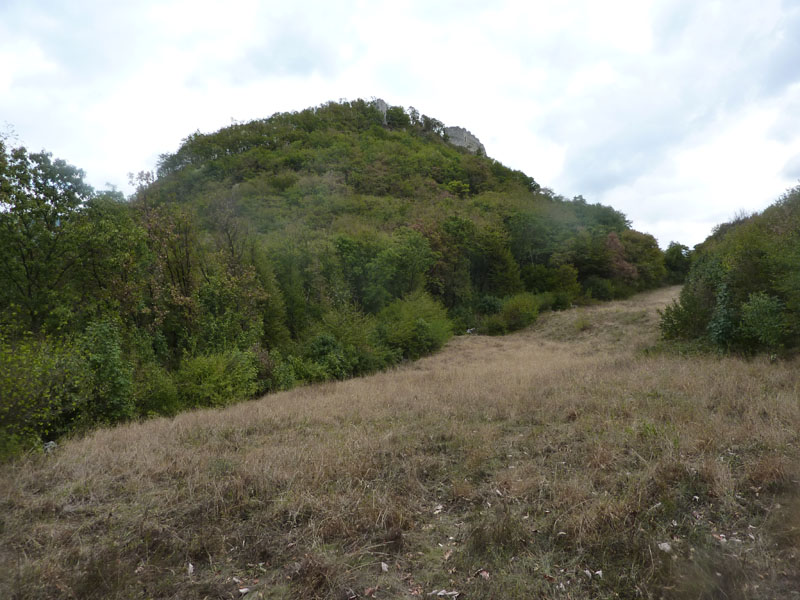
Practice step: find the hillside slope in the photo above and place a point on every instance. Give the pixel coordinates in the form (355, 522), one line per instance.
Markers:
(309, 246)
(571, 459)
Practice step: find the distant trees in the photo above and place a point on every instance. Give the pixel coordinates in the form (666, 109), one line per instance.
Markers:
(677, 260)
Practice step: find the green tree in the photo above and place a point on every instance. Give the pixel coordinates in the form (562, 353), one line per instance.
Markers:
(677, 260)
(40, 202)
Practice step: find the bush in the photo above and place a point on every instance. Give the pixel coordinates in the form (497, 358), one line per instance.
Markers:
(414, 326)
(763, 324)
(489, 305)
(494, 325)
(519, 311)
(598, 288)
(40, 389)
(109, 389)
(547, 301)
(217, 379)
(155, 392)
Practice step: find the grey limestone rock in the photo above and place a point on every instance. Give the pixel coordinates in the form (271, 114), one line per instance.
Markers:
(381, 105)
(458, 136)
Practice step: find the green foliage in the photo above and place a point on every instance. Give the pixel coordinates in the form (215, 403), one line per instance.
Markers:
(155, 391)
(519, 311)
(722, 325)
(312, 245)
(741, 292)
(598, 288)
(763, 322)
(217, 379)
(415, 325)
(40, 202)
(677, 261)
(108, 389)
(40, 387)
(489, 305)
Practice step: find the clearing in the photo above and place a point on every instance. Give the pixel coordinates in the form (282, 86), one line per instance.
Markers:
(576, 459)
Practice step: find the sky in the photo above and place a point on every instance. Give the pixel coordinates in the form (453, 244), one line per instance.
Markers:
(680, 113)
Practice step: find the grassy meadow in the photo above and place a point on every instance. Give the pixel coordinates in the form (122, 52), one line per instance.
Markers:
(579, 458)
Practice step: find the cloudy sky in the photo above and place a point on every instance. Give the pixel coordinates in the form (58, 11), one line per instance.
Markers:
(680, 113)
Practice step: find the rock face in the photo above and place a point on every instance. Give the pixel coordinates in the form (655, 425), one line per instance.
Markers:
(381, 106)
(458, 136)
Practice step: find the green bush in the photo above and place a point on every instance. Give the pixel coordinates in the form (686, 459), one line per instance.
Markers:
(494, 325)
(155, 391)
(598, 288)
(217, 379)
(109, 387)
(415, 325)
(276, 372)
(722, 326)
(762, 322)
(489, 305)
(40, 391)
(520, 310)
(547, 301)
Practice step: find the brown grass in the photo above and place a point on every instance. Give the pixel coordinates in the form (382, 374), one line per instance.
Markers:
(499, 468)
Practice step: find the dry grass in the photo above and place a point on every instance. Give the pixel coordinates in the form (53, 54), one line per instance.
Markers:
(500, 468)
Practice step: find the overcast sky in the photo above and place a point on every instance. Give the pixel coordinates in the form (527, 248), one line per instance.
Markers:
(680, 113)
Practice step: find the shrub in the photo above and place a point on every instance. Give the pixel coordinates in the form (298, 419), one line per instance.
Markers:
(489, 305)
(217, 379)
(109, 387)
(40, 382)
(495, 325)
(275, 372)
(762, 321)
(548, 301)
(415, 325)
(598, 288)
(155, 392)
(722, 326)
(519, 311)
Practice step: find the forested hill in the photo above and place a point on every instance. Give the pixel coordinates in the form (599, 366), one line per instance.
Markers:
(318, 244)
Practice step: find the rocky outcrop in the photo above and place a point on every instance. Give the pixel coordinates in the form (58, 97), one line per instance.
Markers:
(458, 136)
(381, 106)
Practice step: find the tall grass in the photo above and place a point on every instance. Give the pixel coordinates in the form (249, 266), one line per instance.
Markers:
(575, 459)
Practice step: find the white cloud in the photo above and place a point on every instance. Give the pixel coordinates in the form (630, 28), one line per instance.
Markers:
(675, 112)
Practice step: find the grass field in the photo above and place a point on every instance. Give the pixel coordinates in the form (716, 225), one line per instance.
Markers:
(576, 459)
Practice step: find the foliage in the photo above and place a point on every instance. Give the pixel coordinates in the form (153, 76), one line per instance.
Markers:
(519, 311)
(677, 261)
(216, 379)
(40, 386)
(414, 326)
(312, 245)
(741, 292)
(108, 389)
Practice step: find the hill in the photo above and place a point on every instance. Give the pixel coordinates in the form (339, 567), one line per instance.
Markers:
(570, 460)
(308, 246)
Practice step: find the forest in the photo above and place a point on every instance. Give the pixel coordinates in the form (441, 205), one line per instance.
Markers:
(309, 246)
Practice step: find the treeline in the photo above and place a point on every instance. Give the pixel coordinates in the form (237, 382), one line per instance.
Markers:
(309, 246)
(743, 290)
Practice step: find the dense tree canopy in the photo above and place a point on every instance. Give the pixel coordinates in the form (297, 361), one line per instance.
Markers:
(312, 245)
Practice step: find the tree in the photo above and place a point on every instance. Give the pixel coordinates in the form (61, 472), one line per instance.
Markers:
(40, 204)
(677, 262)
